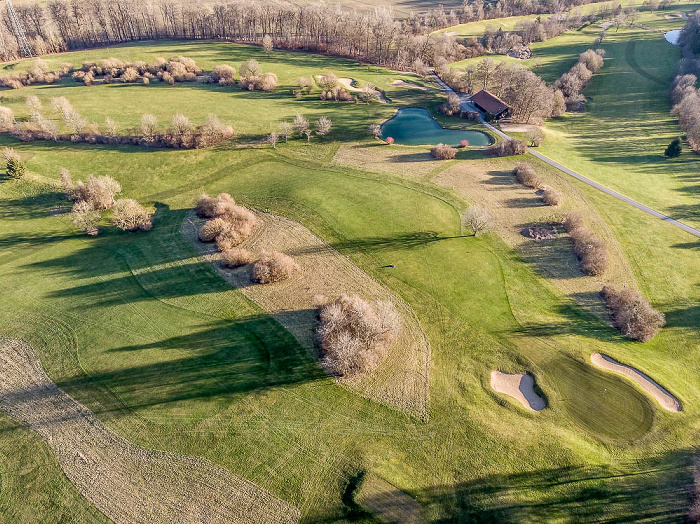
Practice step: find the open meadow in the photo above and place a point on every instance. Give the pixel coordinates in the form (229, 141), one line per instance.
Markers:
(146, 336)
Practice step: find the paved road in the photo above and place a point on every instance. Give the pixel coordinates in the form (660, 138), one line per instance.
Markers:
(582, 178)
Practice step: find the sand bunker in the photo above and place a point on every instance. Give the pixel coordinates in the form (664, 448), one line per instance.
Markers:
(401, 380)
(519, 386)
(403, 83)
(663, 397)
(126, 482)
(347, 84)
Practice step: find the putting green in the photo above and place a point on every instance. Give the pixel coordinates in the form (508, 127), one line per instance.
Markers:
(604, 406)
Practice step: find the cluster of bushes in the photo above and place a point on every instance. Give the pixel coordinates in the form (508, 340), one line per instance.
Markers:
(507, 147)
(302, 128)
(443, 152)
(452, 106)
(632, 314)
(181, 133)
(572, 82)
(525, 174)
(229, 225)
(250, 76)
(179, 69)
(685, 97)
(97, 194)
(589, 249)
(38, 73)
(354, 335)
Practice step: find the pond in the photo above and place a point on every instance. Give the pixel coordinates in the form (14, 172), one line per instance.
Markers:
(673, 36)
(413, 126)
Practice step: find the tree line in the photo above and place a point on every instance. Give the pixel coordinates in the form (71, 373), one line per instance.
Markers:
(685, 95)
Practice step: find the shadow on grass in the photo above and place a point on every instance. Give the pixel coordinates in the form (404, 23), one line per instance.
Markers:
(655, 490)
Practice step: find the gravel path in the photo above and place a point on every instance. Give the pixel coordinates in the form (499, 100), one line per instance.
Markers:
(578, 176)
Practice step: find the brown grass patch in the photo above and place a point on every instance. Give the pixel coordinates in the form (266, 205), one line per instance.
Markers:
(515, 208)
(401, 379)
(388, 502)
(413, 162)
(126, 482)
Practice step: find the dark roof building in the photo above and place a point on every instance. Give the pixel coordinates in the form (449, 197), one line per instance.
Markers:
(489, 103)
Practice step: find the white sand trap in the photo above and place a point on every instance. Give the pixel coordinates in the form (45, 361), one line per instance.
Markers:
(519, 386)
(403, 83)
(127, 483)
(347, 84)
(663, 397)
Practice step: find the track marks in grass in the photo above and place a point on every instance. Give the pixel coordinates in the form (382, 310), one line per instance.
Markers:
(127, 483)
(631, 57)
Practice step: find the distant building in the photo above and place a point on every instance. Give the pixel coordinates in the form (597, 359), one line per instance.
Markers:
(490, 104)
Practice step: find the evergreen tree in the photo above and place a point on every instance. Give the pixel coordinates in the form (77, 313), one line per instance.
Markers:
(674, 149)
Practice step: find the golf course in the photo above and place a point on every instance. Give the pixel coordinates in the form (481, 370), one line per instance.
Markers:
(134, 358)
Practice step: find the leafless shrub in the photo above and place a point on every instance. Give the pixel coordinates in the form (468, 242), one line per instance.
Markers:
(354, 336)
(85, 218)
(305, 84)
(443, 152)
(535, 137)
(323, 126)
(301, 125)
(60, 104)
(211, 229)
(129, 215)
(210, 207)
(7, 118)
(268, 82)
(632, 314)
(590, 250)
(148, 124)
(180, 124)
(551, 196)
(111, 128)
(99, 192)
(477, 218)
(507, 147)
(525, 174)
(223, 75)
(375, 130)
(241, 222)
(130, 74)
(572, 221)
(237, 257)
(452, 106)
(273, 267)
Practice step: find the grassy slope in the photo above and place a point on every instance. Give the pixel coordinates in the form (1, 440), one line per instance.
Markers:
(181, 362)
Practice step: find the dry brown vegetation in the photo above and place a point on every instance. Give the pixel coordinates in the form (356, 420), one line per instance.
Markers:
(273, 267)
(98, 192)
(129, 215)
(551, 196)
(103, 466)
(443, 152)
(354, 335)
(525, 174)
(632, 314)
(237, 257)
(229, 224)
(589, 248)
(210, 207)
(401, 379)
(507, 147)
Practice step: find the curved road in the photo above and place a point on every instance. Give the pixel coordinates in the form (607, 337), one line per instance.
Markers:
(582, 178)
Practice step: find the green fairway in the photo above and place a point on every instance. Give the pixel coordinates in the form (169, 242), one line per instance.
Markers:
(148, 336)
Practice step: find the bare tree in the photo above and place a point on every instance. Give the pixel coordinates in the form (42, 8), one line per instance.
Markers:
(323, 126)
(268, 44)
(272, 139)
(180, 124)
(85, 218)
(129, 215)
(478, 219)
(148, 124)
(375, 129)
(301, 125)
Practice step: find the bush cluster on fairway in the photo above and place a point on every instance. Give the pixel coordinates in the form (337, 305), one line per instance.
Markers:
(273, 267)
(452, 106)
(129, 215)
(252, 77)
(572, 83)
(507, 147)
(525, 174)
(97, 192)
(632, 314)
(109, 70)
(331, 89)
(686, 99)
(229, 224)
(14, 165)
(237, 257)
(355, 336)
(443, 152)
(589, 249)
(38, 73)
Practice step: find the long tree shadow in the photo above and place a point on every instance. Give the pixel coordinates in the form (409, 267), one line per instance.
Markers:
(655, 490)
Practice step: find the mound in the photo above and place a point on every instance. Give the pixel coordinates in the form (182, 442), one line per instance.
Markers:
(663, 397)
(125, 482)
(519, 386)
(401, 380)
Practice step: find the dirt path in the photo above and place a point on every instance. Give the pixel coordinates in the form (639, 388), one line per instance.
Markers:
(127, 483)
(663, 397)
(519, 386)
